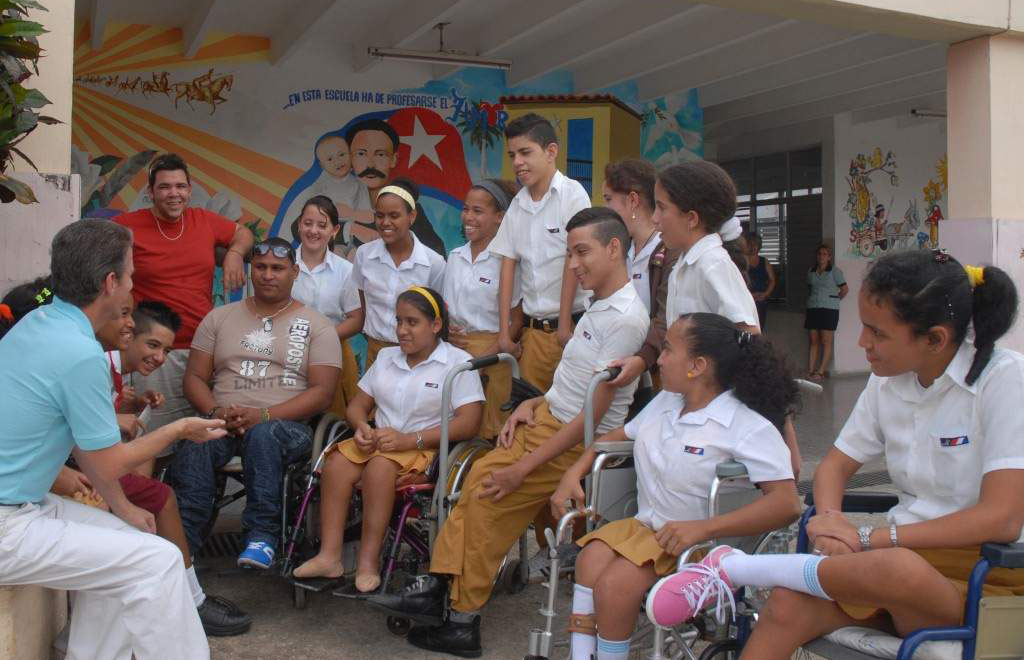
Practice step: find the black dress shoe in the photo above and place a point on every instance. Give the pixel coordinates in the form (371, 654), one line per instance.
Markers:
(422, 601)
(222, 618)
(461, 639)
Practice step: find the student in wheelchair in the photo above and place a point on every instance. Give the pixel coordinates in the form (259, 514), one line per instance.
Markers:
(725, 396)
(943, 409)
(403, 386)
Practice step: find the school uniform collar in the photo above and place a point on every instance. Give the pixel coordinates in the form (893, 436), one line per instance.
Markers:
(466, 253)
(907, 387)
(330, 263)
(722, 409)
(698, 249)
(439, 355)
(418, 256)
(74, 313)
(524, 200)
(620, 300)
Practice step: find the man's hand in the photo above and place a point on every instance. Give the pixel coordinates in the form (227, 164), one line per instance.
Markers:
(136, 517)
(564, 334)
(501, 482)
(388, 439)
(506, 345)
(675, 537)
(832, 525)
(130, 425)
(241, 418)
(130, 402)
(69, 482)
(199, 430)
(522, 415)
(366, 439)
(632, 367)
(153, 399)
(569, 492)
(234, 272)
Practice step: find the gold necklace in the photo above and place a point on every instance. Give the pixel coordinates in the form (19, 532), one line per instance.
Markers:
(161, 230)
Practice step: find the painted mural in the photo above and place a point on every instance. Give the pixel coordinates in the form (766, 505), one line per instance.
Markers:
(878, 222)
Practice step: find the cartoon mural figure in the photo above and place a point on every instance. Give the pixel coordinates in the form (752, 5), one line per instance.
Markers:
(933, 220)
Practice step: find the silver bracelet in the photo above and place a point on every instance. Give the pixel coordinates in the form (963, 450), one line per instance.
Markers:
(864, 534)
(419, 441)
(893, 538)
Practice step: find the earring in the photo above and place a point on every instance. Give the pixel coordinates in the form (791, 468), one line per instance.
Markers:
(634, 217)
(689, 374)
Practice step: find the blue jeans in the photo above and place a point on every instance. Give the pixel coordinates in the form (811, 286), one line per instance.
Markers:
(266, 450)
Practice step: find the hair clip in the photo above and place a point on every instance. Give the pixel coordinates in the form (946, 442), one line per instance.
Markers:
(43, 295)
(743, 338)
(6, 314)
(940, 255)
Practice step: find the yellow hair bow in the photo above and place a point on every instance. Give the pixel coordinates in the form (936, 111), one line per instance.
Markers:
(975, 275)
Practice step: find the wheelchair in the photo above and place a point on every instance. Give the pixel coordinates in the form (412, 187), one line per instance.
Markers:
(420, 509)
(992, 625)
(730, 489)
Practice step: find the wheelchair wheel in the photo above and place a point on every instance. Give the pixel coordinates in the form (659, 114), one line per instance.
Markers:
(510, 576)
(399, 626)
(299, 598)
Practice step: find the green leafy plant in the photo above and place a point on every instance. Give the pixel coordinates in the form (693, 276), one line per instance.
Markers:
(19, 116)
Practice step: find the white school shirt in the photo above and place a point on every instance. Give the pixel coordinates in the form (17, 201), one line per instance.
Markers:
(328, 288)
(706, 280)
(410, 399)
(612, 328)
(639, 267)
(471, 289)
(676, 455)
(533, 233)
(939, 442)
(381, 282)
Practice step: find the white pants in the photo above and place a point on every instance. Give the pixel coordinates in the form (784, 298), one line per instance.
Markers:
(133, 596)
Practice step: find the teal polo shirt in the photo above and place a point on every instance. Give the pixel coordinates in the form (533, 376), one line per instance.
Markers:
(54, 396)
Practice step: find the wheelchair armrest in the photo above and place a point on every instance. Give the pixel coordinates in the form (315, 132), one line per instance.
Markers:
(1004, 555)
(730, 470)
(862, 502)
(625, 447)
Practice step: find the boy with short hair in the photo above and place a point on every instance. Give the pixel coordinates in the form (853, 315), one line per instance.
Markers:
(506, 488)
(532, 236)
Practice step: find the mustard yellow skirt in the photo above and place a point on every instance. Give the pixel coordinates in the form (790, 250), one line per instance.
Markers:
(410, 460)
(374, 346)
(956, 565)
(497, 381)
(347, 383)
(635, 541)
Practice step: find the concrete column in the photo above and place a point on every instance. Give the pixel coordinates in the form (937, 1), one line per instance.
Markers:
(985, 85)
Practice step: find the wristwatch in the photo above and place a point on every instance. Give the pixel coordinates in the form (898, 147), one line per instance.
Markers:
(864, 534)
(419, 441)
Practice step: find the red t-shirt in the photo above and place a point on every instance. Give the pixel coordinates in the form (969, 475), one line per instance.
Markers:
(177, 272)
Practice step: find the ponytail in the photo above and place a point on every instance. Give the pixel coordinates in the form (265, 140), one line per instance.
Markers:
(930, 288)
(747, 364)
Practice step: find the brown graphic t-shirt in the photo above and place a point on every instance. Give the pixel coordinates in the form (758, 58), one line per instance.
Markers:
(259, 362)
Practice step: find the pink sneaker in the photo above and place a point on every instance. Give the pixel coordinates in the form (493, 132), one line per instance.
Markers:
(680, 596)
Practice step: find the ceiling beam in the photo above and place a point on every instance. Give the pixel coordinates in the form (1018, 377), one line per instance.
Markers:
(789, 41)
(194, 32)
(869, 97)
(99, 15)
(844, 54)
(597, 34)
(925, 59)
(286, 40)
(402, 28)
(710, 30)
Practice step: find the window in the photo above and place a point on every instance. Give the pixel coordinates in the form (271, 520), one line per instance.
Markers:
(580, 158)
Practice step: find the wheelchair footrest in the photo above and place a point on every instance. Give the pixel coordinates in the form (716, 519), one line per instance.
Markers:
(318, 585)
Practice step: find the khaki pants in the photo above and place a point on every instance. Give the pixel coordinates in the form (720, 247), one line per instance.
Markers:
(540, 358)
(497, 381)
(480, 532)
(347, 382)
(373, 347)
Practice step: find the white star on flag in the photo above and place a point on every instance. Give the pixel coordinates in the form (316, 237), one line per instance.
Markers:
(422, 144)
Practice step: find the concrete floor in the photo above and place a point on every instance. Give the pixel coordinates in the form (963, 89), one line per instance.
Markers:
(335, 628)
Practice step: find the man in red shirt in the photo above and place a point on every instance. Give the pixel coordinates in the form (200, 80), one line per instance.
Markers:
(174, 245)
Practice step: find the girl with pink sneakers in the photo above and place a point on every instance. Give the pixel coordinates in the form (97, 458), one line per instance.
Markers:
(942, 408)
(725, 396)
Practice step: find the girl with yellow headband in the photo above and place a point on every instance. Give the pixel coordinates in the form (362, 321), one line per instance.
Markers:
(404, 387)
(389, 265)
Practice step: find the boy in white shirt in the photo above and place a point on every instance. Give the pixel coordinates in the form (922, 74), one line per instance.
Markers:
(533, 237)
(507, 488)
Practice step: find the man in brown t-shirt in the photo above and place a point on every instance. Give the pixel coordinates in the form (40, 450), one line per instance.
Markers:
(273, 363)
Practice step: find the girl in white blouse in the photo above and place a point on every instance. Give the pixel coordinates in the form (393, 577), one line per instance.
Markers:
(943, 411)
(725, 396)
(404, 386)
(471, 288)
(325, 284)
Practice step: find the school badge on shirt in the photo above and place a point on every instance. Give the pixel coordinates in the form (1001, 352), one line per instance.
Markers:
(431, 385)
(954, 441)
(690, 449)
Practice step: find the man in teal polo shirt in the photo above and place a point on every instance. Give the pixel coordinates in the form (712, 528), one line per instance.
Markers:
(54, 401)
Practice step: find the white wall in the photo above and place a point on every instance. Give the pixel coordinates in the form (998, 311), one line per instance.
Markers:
(917, 145)
(26, 231)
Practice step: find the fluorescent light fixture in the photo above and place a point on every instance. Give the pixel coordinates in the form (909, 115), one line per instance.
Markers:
(439, 57)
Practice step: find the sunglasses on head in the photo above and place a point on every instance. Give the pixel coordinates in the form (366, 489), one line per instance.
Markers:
(279, 251)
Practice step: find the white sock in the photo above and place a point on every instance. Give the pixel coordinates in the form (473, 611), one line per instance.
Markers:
(198, 597)
(583, 646)
(796, 572)
(609, 650)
